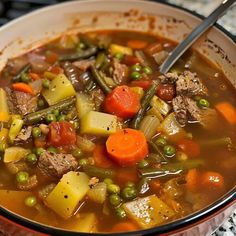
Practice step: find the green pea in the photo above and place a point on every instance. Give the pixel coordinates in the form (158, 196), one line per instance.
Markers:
(50, 118)
(113, 188)
(77, 153)
(41, 103)
(25, 78)
(31, 158)
(147, 70)
(46, 83)
(30, 201)
(143, 164)
(136, 68)
(135, 75)
(61, 118)
(36, 132)
(81, 46)
(22, 177)
(119, 56)
(56, 112)
(39, 151)
(83, 162)
(129, 193)
(203, 103)
(108, 181)
(161, 141)
(114, 199)
(52, 150)
(120, 212)
(130, 184)
(169, 150)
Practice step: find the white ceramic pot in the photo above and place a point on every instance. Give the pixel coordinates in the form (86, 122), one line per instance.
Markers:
(167, 21)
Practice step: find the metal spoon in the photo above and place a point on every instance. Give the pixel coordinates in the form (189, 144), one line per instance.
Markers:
(194, 35)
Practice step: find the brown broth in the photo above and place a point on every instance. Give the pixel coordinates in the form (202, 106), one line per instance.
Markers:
(216, 158)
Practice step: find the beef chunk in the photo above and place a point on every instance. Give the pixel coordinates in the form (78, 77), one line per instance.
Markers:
(20, 102)
(120, 72)
(56, 165)
(185, 109)
(189, 84)
(180, 110)
(44, 192)
(83, 65)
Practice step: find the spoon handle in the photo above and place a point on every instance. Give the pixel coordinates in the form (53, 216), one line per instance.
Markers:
(194, 35)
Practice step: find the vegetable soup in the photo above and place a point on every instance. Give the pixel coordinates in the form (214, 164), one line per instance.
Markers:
(94, 139)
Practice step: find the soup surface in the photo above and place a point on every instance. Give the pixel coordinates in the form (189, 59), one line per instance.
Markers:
(94, 139)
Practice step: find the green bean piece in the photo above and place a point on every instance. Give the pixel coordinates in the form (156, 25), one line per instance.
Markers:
(219, 142)
(120, 212)
(37, 116)
(90, 85)
(100, 59)
(100, 80)
(113, 188)
(144, 105)
(157, 150)
(91, 51)
(36, 132)
(114, 199)
(31, 158)
(30, 201)
(25, 69)
(143, 185)
(98, 172)
(22, 177)
(171, 168)
(56, 112)
(129, 193)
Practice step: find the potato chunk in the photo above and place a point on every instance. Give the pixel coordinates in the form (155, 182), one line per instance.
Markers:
(98, 123)
(148, 211)
(65, 197)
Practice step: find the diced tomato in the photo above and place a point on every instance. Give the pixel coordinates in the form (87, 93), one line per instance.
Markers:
(145, 84)
(61, 133)
(190, 147)
(166, 92)
(56, 70)
(130, 60)
(51, 58)
(101, 157)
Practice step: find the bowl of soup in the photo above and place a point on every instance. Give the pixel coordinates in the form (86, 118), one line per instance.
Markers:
(94, 140)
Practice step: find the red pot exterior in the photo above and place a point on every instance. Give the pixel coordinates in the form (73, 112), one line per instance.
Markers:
(203, 227)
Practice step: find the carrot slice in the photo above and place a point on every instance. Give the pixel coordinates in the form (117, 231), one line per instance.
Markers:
(212, 180)
(34, 76)
(192, 180)
(127, 146)
(122, 101)
(23, 88)
(227, 111)
(100, 157)
(124, 227)
(52, 57)
(137, 44)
